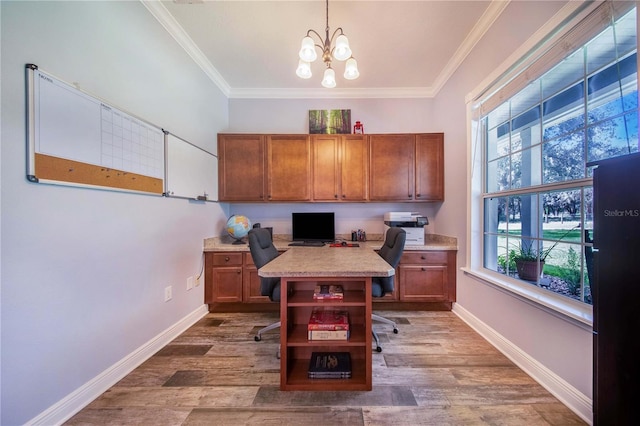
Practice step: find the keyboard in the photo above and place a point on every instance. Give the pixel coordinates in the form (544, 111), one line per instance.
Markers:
(306, 244)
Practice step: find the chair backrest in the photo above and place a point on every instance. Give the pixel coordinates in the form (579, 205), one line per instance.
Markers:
(393, 246)
(391, 252)
(262, 252)
(262, 249)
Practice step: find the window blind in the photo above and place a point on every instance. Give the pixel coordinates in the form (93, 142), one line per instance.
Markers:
(566, 39)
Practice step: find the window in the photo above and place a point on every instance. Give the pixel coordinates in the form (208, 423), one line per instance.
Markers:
(535, 190)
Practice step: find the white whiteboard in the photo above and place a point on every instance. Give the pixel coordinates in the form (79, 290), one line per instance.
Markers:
(76, 138)
(191, 171)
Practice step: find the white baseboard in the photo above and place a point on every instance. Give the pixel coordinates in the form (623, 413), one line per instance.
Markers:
(81, 397)
(575, 400)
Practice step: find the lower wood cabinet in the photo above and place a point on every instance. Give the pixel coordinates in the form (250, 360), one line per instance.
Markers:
(427, 276)
(421, 276)
(231, 277)
(424, 276)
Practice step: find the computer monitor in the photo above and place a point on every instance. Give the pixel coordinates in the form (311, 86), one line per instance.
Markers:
(313, 227)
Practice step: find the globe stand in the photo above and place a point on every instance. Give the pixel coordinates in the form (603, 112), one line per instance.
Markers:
(238, 241)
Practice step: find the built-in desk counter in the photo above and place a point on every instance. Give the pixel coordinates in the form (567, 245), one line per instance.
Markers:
(425, 278)
(432, 242)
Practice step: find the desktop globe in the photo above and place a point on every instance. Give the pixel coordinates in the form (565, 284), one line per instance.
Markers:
(238, 227)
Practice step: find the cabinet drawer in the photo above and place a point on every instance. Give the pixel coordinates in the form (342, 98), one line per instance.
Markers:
(248, 260)
(424, 257)
(227, 259)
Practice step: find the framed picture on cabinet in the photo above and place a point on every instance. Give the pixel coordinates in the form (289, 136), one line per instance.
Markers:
(329, 121)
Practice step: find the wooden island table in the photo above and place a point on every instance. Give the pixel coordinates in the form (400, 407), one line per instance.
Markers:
(301, 269)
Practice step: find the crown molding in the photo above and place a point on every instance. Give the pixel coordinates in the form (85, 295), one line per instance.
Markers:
(157, 9)
(478, 31)
(164, 17)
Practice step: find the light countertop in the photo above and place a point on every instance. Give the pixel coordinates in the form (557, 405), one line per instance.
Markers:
(431, 242)
(327, 262)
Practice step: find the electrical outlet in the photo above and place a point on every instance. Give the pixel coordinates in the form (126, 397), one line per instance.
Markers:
(168, 293)
(189, 283)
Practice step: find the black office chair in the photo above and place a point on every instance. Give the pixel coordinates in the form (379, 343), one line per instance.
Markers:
(391, 251)
(263, 251)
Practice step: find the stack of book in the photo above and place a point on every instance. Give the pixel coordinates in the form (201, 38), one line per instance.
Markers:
(328, 324)
(328, 292)
(330, 365)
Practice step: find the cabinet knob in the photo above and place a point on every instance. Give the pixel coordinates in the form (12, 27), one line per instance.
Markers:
(424, 269)
(409, 195)
(418, 195)
(335, 195)
(422, 257)
(226, 259)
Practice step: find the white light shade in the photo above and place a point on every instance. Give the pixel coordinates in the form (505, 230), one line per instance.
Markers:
(342, 51)
(308, 50)
(304, 69)
(329, 79)
(351, 69)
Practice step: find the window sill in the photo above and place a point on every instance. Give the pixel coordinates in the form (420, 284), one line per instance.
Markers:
(559, 306)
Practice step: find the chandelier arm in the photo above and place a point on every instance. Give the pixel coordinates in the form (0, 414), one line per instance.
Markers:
(334, 34)
(319, 46)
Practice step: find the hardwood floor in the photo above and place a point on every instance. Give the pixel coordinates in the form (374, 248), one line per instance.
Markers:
(436, 371)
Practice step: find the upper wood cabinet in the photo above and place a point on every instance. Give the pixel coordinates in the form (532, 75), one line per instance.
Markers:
(289, 168)
(407, 167)
(339, 167)
(241, 167)
(350, 168)
(392, 159)
(429, 170)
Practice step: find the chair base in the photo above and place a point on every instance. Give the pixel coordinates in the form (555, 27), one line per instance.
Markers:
(375, 335)
(273, 326)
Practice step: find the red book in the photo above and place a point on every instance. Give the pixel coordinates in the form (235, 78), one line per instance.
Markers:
(328, 319)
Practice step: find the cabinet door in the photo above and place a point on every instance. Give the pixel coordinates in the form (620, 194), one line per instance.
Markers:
(430, 167)
(326, 171)
(354, 168)
(241, 171)
(391, 167)
(424, 283)
(227, 284)
(289, 168)
(251, 282)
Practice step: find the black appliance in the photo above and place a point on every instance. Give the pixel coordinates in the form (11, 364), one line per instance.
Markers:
(616, 290)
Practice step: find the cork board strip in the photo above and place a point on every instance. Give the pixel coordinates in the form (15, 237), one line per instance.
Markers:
(62, 170)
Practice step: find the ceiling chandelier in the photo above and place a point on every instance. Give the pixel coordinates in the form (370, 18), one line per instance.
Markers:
(340, 51)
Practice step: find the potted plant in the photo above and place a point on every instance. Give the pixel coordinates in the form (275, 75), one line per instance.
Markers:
(527, 258)
(529, 255)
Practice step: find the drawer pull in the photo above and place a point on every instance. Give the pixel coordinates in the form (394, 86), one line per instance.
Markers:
(422, 257)
(226, 259)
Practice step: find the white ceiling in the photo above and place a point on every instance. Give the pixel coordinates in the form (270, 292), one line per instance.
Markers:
(403, 48)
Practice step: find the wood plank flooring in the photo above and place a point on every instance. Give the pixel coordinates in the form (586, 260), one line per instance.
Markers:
(436, 371)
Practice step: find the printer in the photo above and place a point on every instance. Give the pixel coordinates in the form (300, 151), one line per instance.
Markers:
(412, 223)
